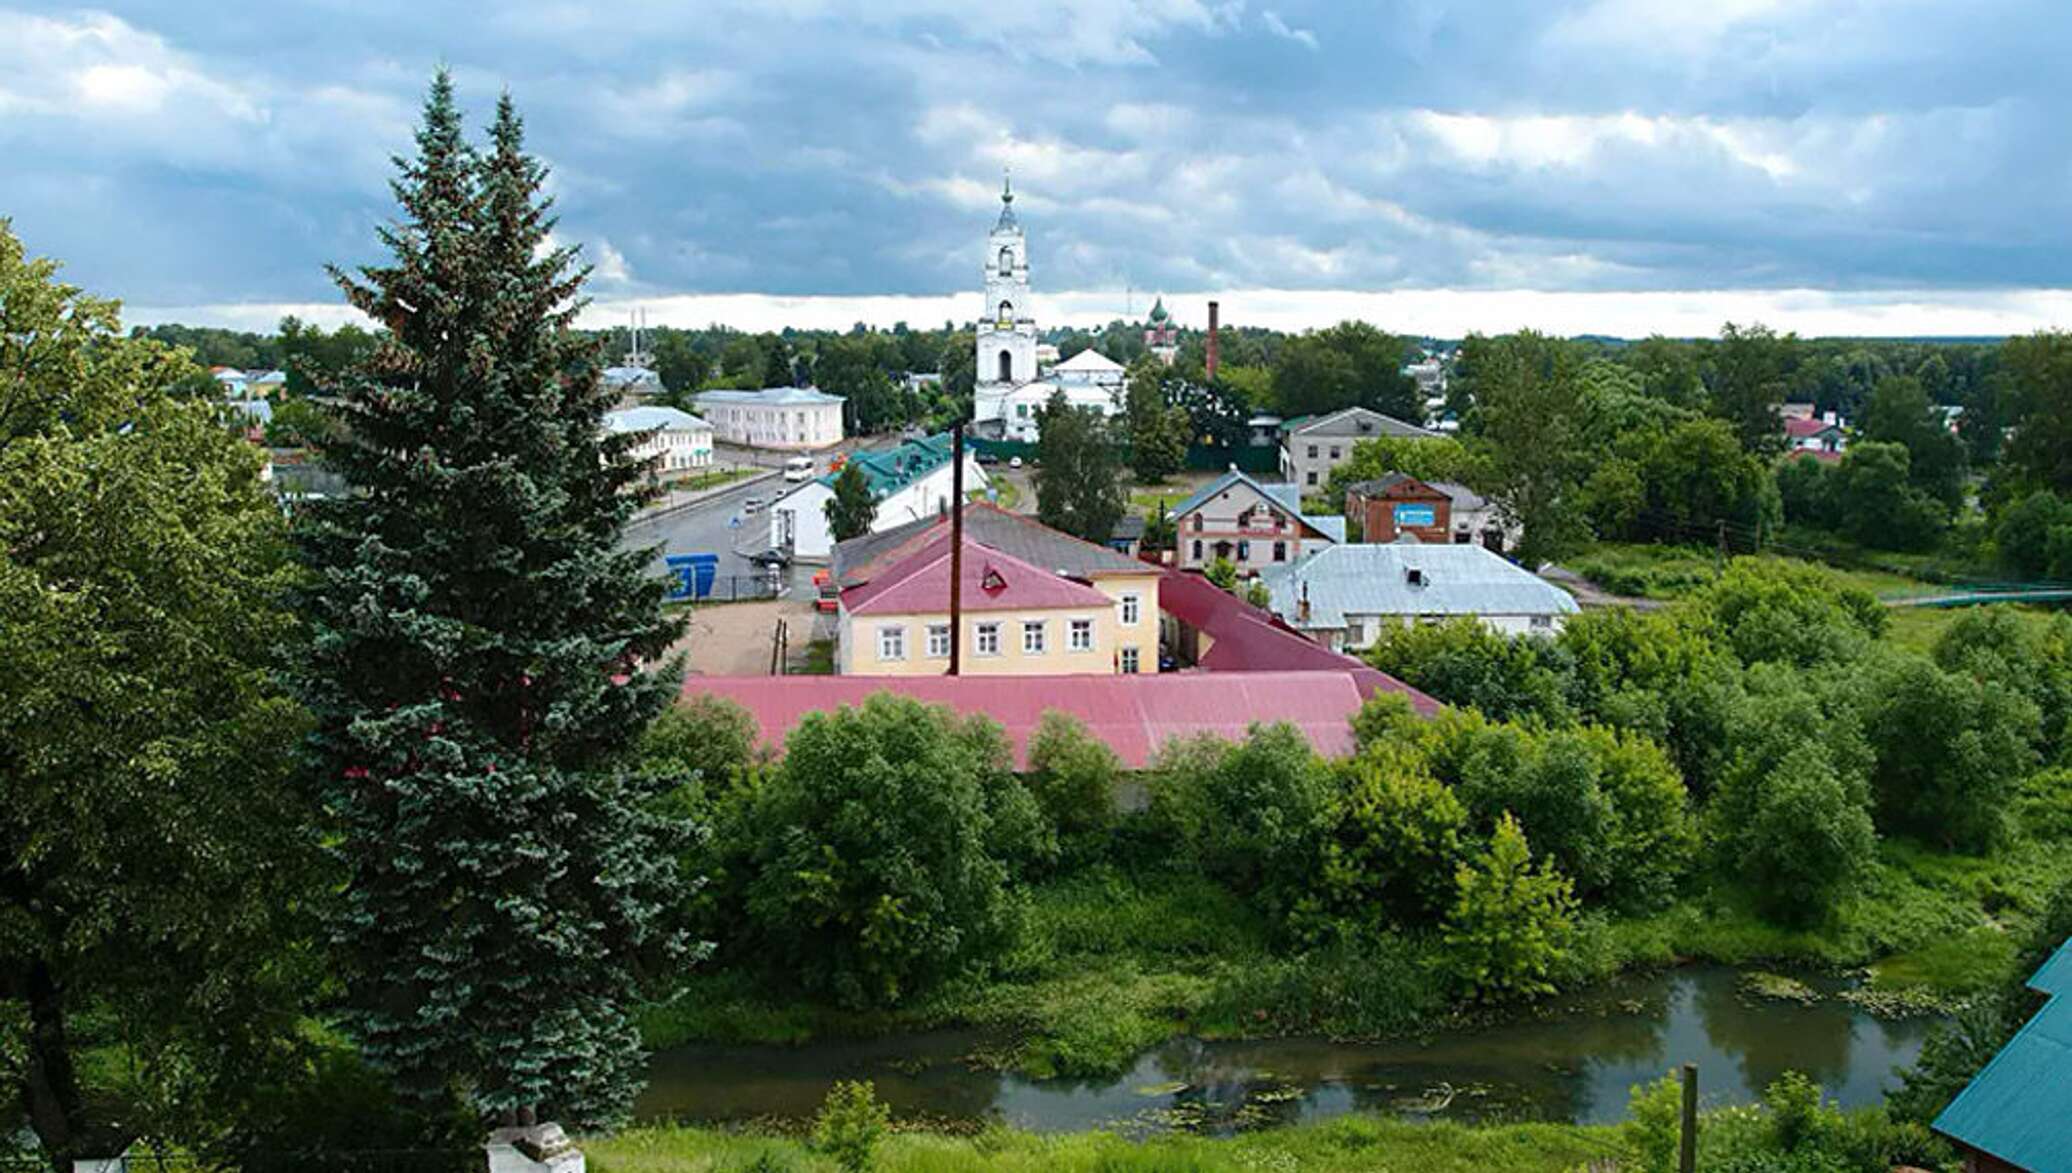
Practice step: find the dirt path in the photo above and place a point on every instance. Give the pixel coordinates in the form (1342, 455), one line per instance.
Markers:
(733, 639)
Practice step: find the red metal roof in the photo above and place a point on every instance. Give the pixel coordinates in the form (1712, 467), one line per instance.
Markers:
(1246, 639)
(992, 581)
(1133, 715)
(1796, 426)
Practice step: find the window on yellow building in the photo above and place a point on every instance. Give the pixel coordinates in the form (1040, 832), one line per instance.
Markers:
(986, 639)
(938, 641)
(892, 643)
(1032, 637)
(1082, 635)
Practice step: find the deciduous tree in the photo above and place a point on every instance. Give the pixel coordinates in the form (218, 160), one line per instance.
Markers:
(852, 509)
(1078, 472)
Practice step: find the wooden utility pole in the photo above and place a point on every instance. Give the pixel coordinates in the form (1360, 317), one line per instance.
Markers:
(1687, 1153)
(956, 547)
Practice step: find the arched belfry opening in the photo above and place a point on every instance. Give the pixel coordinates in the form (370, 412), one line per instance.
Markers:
(1006, 367)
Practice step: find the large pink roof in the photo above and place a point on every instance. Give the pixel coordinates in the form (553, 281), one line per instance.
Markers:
(1248, 640)
(993, 581)
(1796, 426)
(1133, 715)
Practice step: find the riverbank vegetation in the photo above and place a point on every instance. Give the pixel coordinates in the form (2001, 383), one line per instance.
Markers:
(1754, 775)
(1794, 1128)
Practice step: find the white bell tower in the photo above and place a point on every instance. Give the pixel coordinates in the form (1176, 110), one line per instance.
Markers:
(1006, 336)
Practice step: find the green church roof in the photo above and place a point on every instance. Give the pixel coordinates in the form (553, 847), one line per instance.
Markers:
(1158, 310)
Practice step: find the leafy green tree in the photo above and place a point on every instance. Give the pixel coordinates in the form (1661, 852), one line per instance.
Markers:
(1779, 610)
(1247, 814)
(1668, 370)
(1464, 662)
(1900, 412)
(1078, 472)
(1158, 433)
(872, 863)
(1512, 925)
(154, 856)
(2023, 534)
(1528, 407)
(1805, 490)
(1697, 476)
(1394, 838)
(476, 624)
(708, 736)
(852, 510)
(1222, 572)
(1615, 498)
(1877, 503)
(681, 366)
(2027, 653)
(2039, 366)
(850, 367)
(1950, 749)
(1073, 776)
(1440, 459)
(1750, 365)
(1351, 364)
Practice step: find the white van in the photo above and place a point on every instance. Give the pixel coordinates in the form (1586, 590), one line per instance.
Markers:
(798, 468)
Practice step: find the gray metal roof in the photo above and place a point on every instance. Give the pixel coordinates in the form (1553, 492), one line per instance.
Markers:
(641, 419)
(1373, 579)
(1011, 534)
(770, 396)
(1360, 421)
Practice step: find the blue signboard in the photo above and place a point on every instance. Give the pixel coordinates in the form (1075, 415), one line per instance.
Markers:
(1419, 515)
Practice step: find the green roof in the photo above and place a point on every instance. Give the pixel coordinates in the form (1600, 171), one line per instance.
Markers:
(1158, 310)
(888, 470)
(2017, 1108)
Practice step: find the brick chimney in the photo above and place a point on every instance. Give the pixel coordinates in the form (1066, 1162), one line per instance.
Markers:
(1210, 365)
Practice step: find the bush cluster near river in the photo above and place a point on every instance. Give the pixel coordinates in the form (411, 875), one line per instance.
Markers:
(1794, 1130)
(1753, 774)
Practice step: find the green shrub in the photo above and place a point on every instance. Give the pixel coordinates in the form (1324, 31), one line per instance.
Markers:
(1395, 838)
(1247, 814)
(850, 1124)
(1654, 1125)
(1950, 749)
(708, 734)
(1073, 776)
(1512, 925)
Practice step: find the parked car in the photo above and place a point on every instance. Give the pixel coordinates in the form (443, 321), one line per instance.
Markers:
(771, 558)
(987, 458)
(752, 505)
(1015, 462)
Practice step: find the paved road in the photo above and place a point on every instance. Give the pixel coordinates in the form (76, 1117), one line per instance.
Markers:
(708, 527)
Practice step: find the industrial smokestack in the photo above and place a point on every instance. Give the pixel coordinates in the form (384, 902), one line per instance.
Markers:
(1211, 364)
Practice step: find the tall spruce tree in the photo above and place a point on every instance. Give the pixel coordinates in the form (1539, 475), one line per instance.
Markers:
(476, 678)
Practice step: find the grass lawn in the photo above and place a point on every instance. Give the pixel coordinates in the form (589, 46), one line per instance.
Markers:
(1666, 572)
(820, 659)
(710, 478)
(1009, 494)
(1367, 1144)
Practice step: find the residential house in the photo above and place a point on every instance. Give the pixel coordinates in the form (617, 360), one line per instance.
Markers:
(1342, 596)
(909, 481)
(1815, 434)
(1248, 524)
(1311, 446)
(674, 441)
(1432, 511)
(785, 418)
(1018, 619)
(2016, 1114)
(1122, 626)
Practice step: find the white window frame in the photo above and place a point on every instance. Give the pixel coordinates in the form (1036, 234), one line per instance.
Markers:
(1130, 664)
(984, 634)
(1132, 609)
(1076, 627)
(1035, 637)
(939, 636)
(892, 641)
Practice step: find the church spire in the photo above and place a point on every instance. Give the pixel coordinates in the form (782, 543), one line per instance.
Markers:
(1007, 219)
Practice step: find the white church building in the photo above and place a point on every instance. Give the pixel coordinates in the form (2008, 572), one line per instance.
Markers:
(1010, 387)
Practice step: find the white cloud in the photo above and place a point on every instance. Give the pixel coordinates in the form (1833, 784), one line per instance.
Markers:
(1278, 27)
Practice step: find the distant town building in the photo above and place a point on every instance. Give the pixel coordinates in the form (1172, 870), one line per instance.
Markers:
(1440, 512)
(1343, 596)
(909, 481)
(895, 577)
(1159, 336)
(1248, 524)
(1311, 446)
(674, 441)
(1013, 383)
(1810, 434)
(789, 418)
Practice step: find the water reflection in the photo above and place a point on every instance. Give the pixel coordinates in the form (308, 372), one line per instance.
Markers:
(1575, 1063)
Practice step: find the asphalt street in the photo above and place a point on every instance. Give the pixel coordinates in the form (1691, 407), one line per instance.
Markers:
(717, 525)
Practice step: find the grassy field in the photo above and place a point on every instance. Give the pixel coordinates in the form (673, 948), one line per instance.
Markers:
(1349, 1143)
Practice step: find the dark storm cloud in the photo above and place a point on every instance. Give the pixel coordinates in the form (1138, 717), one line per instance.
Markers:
(190, 153)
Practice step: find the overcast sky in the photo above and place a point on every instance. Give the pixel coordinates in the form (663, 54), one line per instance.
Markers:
(1876, 166)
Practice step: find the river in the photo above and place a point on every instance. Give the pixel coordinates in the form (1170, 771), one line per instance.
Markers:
(1574, 1063)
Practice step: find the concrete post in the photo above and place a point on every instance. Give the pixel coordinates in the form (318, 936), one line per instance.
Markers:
(533, 1148)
